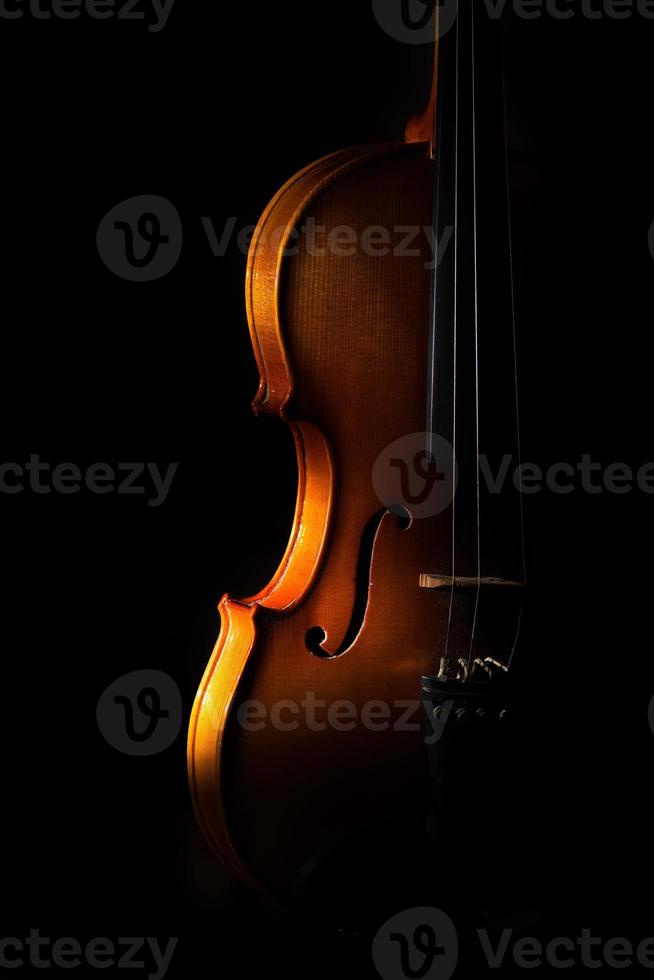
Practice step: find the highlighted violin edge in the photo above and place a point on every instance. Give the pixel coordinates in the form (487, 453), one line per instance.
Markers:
(211, 709)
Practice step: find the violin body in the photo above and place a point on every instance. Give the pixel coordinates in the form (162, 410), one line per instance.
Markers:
(340, 341)
(307, 734)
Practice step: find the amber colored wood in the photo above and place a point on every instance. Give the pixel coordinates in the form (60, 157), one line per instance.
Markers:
(341, 344)
(340, 336)
(207, 728)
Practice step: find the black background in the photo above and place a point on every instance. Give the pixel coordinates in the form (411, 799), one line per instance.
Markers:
(214, 113)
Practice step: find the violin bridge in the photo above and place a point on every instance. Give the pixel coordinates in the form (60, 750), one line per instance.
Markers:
(462, 583)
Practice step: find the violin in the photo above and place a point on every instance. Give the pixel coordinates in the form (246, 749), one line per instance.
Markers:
(395, 369)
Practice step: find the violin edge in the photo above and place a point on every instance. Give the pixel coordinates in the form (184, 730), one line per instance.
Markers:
(206, 733)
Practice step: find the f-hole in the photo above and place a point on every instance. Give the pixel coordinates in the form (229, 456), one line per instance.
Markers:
(316, 636)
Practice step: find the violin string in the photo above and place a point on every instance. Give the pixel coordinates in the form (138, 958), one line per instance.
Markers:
(476, 291)
(454, 372)
(523, 552)
(431, 385)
